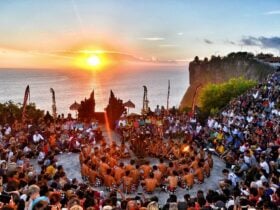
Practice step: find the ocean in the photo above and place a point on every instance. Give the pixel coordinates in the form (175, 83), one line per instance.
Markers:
(76, 85)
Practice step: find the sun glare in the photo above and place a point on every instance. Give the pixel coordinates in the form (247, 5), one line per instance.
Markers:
(93, 60)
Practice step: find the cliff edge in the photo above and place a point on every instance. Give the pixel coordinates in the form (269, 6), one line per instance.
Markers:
(221, 69)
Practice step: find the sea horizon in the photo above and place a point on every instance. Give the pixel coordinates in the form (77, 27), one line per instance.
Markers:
(76, 85)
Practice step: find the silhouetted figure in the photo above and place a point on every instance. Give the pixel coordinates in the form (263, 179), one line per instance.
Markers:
(48, 117)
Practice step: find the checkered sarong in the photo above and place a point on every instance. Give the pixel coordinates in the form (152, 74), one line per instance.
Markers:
(98, 182)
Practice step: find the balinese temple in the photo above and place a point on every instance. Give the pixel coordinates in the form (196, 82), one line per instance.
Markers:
(87, 108)
(114, 110)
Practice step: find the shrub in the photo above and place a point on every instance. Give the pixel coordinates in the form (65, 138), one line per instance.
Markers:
(216, 96)
(10, 111)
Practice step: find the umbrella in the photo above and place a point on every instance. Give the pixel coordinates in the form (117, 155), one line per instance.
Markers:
(129, 104)
(74, 107)
(133, 115)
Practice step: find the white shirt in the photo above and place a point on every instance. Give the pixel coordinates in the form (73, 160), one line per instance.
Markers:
(10, 155)
(259, 183)
(37, 137)
(8, 131)
(210, 123)
(225, 129)
(233, 178)
(250, 118)
(243, 148)
(41, 156)
(247, 159)
(217, 125)
(198, 128)
(26, 149)
(122, 123)
(192, 120)
(256, 95)
(265, 166)
(275, 111)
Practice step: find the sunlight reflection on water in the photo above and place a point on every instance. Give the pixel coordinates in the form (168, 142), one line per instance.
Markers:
(70, 87)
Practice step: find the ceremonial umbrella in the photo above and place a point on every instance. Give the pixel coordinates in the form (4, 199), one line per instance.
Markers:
(133, 115)
(129, 104)
(74, 107)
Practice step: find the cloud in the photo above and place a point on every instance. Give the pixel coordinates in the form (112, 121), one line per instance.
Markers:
(250, 41)
(226, 41)
(273, 12)
(152, 38)
(264, 42)
(116, 55)
(230, 42)
(180, 33)
(207, 41)
(71, 54)
(272, 42)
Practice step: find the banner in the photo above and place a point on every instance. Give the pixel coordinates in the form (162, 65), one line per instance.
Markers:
(26, 95)
(53, 104)
(194, 98)
(168, 94)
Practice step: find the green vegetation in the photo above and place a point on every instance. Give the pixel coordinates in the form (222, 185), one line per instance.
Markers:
(9, 112)
(216, 96)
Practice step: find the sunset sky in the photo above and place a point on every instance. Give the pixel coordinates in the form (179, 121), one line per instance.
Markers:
(51, 34)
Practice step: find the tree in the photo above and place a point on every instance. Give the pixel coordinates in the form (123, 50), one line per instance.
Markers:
(216, 96)
(33, 113)
(10, 111)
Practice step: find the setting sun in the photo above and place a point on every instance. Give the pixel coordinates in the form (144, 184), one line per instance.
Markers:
(93, 60)
(96, 60)
(90, 60)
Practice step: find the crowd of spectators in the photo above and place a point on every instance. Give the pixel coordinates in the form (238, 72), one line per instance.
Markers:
(28, 163)
(246, 135)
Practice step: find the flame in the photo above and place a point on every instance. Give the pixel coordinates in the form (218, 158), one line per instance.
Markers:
(108, 127)
(186, 149)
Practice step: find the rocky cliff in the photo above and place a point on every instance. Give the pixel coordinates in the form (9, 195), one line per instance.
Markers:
(217, 70)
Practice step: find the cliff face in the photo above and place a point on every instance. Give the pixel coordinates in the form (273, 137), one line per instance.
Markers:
(219, 70)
